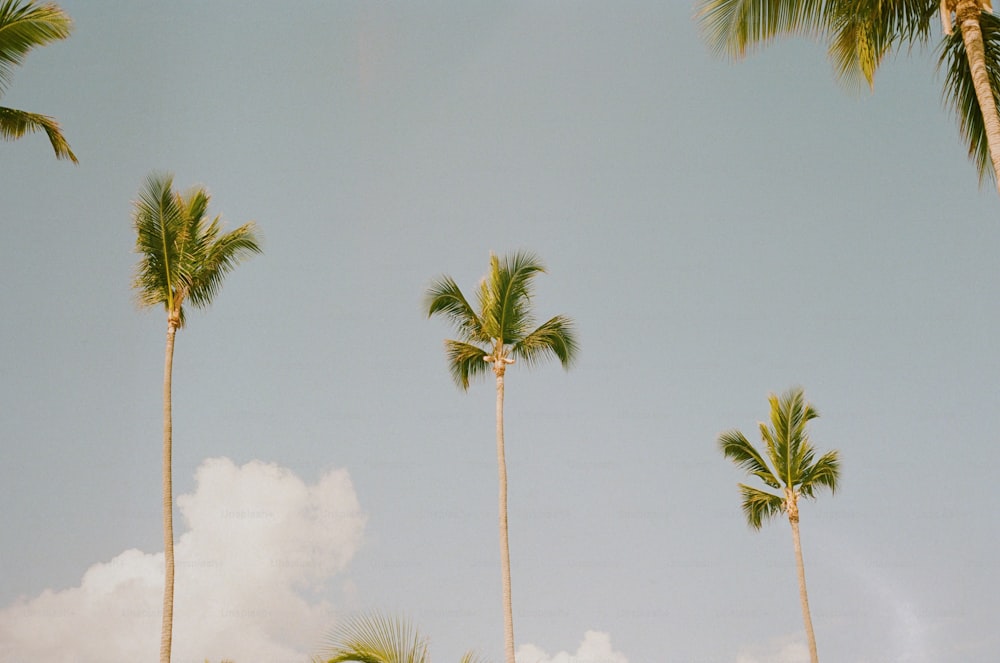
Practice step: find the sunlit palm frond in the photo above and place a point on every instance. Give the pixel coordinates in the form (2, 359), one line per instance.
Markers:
(159, 224)
(556, 336)
(509, 294)
(858, 44)
(16, 123)
(444, 297)
(735, 446)
(218, 257)
(375, 638)
(465, 362)
(759, 506)
(25, 26)
(824, 473)
(960, 93)
(472, 657)
(735, 27)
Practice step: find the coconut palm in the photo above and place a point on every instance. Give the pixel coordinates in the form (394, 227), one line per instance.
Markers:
(378, 638)
(23, 26)
(860, 33)
(185, 257)
(790, 466)
(494, 336)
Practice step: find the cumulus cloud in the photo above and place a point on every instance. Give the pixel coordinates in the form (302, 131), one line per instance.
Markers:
(258, 543)
(595, 648)
(786, 649)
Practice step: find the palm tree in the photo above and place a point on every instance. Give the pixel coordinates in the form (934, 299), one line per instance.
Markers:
(860, 33)
(500, 332)
(185, 257)
(23, 26)
(377, 638)
(794, 470)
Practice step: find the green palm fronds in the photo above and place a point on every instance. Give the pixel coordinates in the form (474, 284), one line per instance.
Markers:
(378, 638)
(184, 255)
(23, 27)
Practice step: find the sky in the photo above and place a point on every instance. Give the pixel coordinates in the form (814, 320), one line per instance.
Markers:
(718, 231)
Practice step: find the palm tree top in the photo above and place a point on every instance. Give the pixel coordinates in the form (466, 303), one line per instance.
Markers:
(789, 462)
(378, 638)
(24, 26)
(501, 328)
(185, 255)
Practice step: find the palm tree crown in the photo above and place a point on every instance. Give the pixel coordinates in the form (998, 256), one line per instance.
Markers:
(502, 329)
(185, 256)
(789, 463)
(24, 26)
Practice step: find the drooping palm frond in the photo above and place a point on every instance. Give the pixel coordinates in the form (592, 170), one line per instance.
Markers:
(959, 91)
(220, 254)
(759, 506)
(374, 638)
(737, 448)
(556, 336)
(25, 26)
(735, 27)
(16, 123)
(444, 297)
(825, 473)
(465, 362)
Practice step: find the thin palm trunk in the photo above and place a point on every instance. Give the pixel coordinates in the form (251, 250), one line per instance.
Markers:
(793, 518)
(508, 614)
(967, 13)
(166, 632)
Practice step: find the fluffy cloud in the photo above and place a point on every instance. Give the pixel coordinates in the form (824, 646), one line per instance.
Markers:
(787, 649)
(595, 648)
(258, 542)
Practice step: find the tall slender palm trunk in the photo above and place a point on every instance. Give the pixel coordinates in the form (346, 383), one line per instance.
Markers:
(967, 13)
(167, 629)
(508, 613)
(793, 518)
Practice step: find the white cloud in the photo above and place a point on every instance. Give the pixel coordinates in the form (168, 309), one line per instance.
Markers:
(786, 649)
(595, 648)
(258, 539)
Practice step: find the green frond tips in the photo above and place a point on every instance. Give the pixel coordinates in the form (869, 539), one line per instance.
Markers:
(759, 506)
(465, 362)
(735, 27)
(556, 336)
(375, 638)
(959, 91)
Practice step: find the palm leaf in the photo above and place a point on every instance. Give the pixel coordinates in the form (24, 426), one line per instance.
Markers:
(24, 26)
(16, 123)
(734, 27)
(465, 362)
(506, 299)
(960, 93)
(444, 297)
(220, 254)
(735, 446)
(824, 473)
(555, 336)
(375, 638)
(759, 506)
(158, 222)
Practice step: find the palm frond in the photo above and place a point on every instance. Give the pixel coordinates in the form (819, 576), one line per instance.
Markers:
(159, 223)
(16, 123)
(759, 506)
(960, 93)
(735, 446)
(25, 26)
(465, 362)
(444, 297)
(375, 638)
(472, 657)
(734, 27)
(824, 473)
(555, 336)
(219, 254)
(507, 297)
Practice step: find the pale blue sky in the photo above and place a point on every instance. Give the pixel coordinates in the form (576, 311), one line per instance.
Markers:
(718, 231)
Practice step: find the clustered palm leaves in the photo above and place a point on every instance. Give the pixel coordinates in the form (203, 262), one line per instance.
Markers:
(184, 258)
(501, 331)
(860, 33)
(788, 465)
(378, 638)
(24, 26)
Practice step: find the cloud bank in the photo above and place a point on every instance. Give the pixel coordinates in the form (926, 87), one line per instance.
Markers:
(595, 648)
(258, 543)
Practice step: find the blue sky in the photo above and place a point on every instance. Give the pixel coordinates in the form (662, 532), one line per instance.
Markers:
(718, 231)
